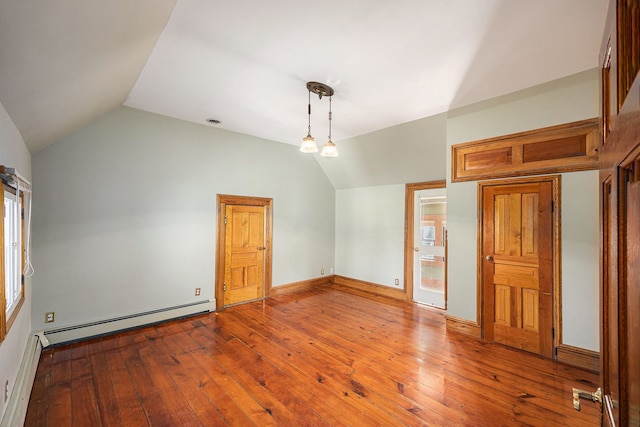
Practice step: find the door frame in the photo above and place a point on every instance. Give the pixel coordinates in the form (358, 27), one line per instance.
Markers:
(222, 201)
(556, 253)
(409, 212)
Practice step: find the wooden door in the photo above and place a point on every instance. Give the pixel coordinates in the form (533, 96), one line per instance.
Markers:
(609, 308)
(630, 282)
(620, 215)
(244, 253)
(517, 265)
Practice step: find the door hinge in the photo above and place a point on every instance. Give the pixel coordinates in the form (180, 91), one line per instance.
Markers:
(225, 220)
(553, 333)
(224, 287)
(553, 208)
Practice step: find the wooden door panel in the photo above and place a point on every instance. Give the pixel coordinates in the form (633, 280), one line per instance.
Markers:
(515, 275)
(529, 245)
(503, 305)
(524, 340)
(517, 269)
(610, 371)
(501, 219)
(530, 310)
(244, 256)
(632, 290)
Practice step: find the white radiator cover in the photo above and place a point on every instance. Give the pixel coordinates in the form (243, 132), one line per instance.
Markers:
(17, 407)
(86, 330)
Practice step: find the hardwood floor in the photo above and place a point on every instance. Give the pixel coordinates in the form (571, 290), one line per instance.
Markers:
(325, 357)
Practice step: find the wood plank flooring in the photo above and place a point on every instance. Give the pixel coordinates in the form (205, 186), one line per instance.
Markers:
(325, 357)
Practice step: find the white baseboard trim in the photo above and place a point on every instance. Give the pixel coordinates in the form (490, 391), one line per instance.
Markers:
(17, 408)
(86, 330)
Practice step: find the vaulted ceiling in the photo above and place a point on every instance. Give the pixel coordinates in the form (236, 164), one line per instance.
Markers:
(246, 63)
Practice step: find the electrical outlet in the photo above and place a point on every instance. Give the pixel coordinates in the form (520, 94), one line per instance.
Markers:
(397, 282)
(49, 317)
(331, 270)
(6, 391)
(322, 271)
(197, 292)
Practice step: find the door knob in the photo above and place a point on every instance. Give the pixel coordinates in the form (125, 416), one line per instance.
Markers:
(417, 249)
(489, 258)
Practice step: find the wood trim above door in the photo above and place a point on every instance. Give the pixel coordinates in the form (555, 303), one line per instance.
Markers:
(222, 201)
(556, 253)
(564, 148)
(409, 195)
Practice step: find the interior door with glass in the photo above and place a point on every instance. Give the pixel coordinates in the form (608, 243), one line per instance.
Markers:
(430, 237)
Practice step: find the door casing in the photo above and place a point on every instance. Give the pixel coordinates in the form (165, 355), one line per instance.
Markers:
(222, 201)
(556, 244)
(409, 212)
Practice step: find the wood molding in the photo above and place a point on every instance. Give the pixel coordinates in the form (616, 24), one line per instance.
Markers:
(373, 288)
(565, 148)
(580, 357)
(304, 285)
(409, 213)
(463, 326)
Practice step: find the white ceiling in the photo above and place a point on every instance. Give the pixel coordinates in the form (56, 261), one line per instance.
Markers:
(246, 63)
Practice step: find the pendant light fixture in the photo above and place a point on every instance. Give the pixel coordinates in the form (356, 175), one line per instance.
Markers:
(308, 142)
(329, 149)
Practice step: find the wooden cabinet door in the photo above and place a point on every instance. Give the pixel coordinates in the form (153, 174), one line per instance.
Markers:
(517, 266)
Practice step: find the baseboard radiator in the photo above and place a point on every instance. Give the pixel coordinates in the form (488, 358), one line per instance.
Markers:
(17, 407)
(86, 330)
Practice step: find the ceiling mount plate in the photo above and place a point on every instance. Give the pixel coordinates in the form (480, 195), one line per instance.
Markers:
(320, 89)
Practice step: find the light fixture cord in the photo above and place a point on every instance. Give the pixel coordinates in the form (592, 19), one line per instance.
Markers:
(330, 118)
(309, 114)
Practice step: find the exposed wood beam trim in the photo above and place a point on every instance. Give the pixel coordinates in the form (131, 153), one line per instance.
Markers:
(462, 326)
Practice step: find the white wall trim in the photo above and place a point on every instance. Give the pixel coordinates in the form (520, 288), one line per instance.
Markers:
(17, 408)
(86, 330)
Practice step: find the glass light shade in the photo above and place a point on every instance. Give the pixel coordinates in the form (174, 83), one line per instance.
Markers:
(309, 144)
(329, 150)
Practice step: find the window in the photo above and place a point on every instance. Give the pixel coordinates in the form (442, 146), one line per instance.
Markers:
(12, 291)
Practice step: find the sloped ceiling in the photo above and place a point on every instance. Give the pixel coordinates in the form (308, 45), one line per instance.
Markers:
(246, 63)
(65, 62)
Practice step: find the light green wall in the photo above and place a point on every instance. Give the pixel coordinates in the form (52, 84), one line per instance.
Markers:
(370, 177)
(14, 154)
(125, 218)
(411, 152)
(562, 101)
(370, 234)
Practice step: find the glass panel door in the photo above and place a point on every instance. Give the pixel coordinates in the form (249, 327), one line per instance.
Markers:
(430, 225)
